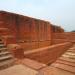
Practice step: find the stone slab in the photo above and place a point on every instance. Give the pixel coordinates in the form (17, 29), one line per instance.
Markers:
(18, 70)
(64, 67)
(54, 71)
(33, 64)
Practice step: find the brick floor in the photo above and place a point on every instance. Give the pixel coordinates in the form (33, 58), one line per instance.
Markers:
(65, 62)
(33, 64)
(54, 71)
(18, 70)
(64, 65)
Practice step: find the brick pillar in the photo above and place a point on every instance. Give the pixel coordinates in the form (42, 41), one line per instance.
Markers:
(16, 51)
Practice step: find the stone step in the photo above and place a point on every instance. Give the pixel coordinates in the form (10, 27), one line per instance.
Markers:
(19, 70)
(73, 51)
(6, 64)
(3, 49)
(2, 45)
(6, 58)
(67, 59)
(1, 42)
(70, 53)
(72, 48)
(69, 56)
(54, 71)
(4, 53)
(64, 67)
(65, 62)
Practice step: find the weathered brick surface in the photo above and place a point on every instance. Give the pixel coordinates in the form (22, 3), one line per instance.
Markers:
(32, 64)
(54, 71)
(27, 30)
(63, 37)
(58, 41)
(19, 70)
(8, 39)
(57, 29)
(49, 54)
(16, 51)
(61, 66)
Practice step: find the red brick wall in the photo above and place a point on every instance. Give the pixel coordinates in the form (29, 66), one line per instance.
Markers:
(29, 32)
(48, 54)
(39, 35)
(63, 37)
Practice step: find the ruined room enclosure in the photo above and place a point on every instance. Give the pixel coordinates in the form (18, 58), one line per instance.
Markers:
(37, 44)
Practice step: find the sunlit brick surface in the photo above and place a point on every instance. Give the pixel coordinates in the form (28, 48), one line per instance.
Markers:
(62, 66)
(32, 51)
(29, 32)
(47, 55)
(18, 70)
(63, 37)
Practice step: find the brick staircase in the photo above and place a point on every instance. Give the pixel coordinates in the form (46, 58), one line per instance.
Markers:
(7, 35)
(67, 61)
(6, 58)
(64, 65)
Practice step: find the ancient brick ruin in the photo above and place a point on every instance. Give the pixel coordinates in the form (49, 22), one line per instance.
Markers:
(35, 43)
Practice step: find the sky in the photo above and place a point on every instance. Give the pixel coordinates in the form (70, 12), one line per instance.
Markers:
(58, 12)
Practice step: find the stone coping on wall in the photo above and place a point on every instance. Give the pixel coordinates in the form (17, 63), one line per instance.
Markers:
(45, 48)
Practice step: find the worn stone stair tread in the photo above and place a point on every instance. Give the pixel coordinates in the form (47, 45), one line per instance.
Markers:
(2, 45)
(72, 48)
(64, 67)
(70, 53)
(69, 56)
(6, 57)
(1, 42)
(65, 62)
(3, 48)
(6, 62)
(67, 59)
(55, 71)
(4, 53)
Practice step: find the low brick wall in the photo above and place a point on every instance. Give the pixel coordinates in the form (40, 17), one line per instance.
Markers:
(49, 54)
(16, 50)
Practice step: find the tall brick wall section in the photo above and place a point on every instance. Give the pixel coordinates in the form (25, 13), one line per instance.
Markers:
(37, 35)
(29, 32)
(49, 54)
(63, 37)
(57, 29)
